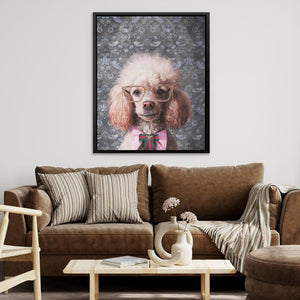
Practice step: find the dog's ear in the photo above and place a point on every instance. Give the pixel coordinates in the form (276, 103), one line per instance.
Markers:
(119, 110)
(178, 109)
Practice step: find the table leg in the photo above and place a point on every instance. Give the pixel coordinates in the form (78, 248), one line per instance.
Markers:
(94, 286)
(97, 285)
(205, 286)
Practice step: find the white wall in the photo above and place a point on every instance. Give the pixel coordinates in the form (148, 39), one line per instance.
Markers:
(46, 86)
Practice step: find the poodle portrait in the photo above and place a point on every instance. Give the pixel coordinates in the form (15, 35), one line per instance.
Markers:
(148, 103)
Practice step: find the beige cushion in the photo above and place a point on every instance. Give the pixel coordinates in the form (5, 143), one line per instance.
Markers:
(69, 195)
(142, 189)
(142, 184)
(113, 198)
(51, 170)
(214, 193)
(39, 199)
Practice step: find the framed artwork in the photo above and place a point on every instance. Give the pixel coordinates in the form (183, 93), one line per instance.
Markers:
(151, 82)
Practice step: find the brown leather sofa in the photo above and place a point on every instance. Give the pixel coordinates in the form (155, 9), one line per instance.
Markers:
(213, 193)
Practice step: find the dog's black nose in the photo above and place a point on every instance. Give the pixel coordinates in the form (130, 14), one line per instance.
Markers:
(148, 105)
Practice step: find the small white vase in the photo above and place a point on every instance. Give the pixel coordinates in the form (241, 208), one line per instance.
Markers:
(181, 251)
(182, 246)
(173, 225)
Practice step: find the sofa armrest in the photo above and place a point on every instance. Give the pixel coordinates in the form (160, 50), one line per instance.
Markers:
(17, 227)
(289, 227)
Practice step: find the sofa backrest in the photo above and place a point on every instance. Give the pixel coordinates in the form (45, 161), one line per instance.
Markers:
(142, 182)
(212, 193)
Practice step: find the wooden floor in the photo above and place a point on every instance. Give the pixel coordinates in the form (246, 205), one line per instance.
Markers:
(125, 288)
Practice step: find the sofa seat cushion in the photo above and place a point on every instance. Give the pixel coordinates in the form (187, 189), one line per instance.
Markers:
(203, 247)
(95, 239)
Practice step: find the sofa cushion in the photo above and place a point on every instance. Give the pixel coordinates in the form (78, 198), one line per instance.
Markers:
(142, 184)
(142, 188)
(213, 193)
(69, 195)
(113, 198)
(39, 199)
(105, 239)
(51, 170)
(203, 247)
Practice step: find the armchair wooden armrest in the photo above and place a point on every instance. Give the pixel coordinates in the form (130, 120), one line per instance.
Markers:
(20, 210)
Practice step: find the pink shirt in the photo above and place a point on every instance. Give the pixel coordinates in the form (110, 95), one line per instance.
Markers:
(135, 143)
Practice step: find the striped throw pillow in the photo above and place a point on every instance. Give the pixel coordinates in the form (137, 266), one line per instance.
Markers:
(113, 198)
(69, 194)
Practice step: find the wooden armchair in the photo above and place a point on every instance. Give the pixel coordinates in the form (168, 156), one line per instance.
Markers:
(16, 253)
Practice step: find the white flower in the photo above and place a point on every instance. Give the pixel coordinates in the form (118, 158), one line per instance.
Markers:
(189, 217)
(170, 203)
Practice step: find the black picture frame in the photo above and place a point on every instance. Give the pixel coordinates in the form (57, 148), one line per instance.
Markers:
(107, 63)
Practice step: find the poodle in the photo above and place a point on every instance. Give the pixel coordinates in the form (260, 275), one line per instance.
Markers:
(147, 102)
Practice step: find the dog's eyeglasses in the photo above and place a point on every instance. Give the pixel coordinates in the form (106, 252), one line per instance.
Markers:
(162, 92)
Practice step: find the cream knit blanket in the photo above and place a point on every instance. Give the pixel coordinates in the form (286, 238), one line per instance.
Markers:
(235, 239)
